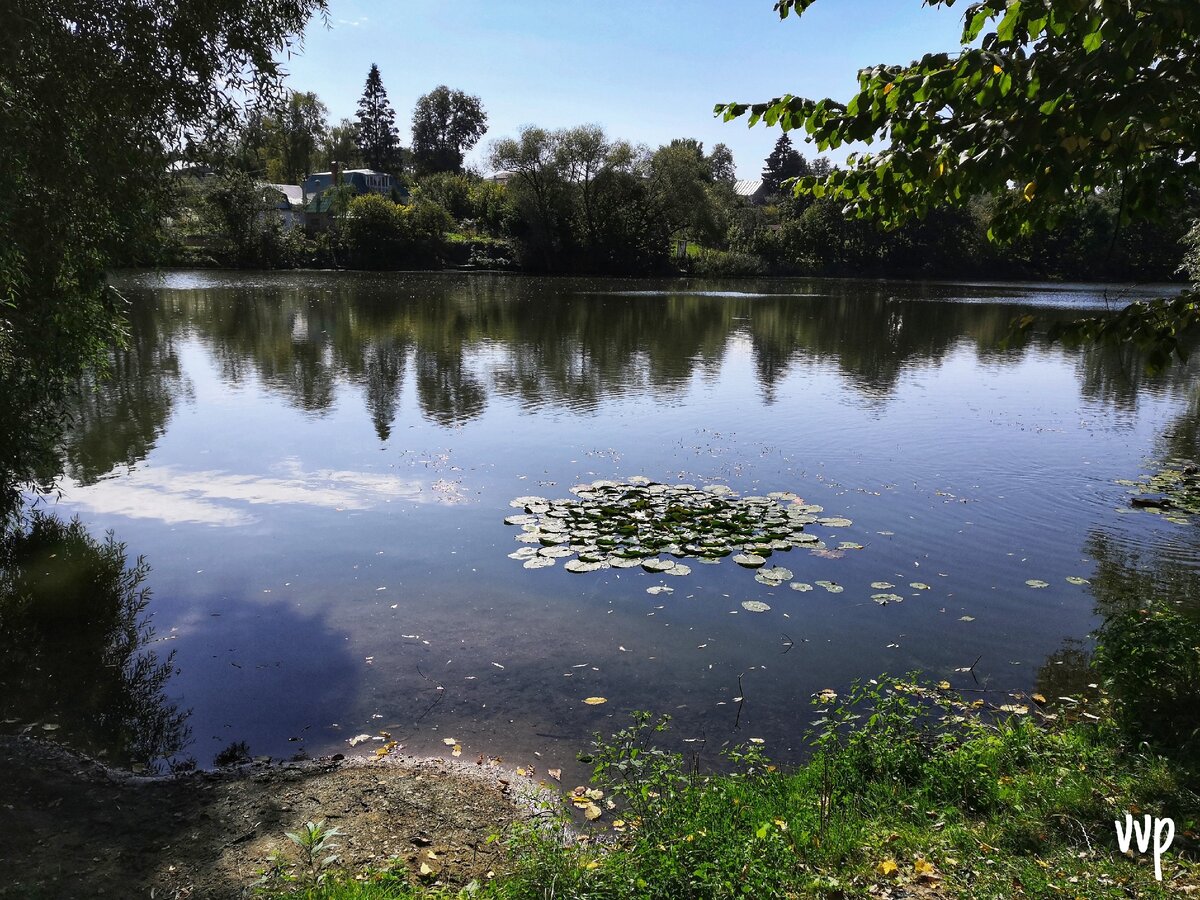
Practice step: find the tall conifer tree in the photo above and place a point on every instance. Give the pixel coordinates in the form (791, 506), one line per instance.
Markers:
(377, 138)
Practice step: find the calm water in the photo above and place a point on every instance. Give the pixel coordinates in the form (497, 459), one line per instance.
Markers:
(317, 467)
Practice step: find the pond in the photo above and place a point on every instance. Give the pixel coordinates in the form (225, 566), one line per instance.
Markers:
(318, 468)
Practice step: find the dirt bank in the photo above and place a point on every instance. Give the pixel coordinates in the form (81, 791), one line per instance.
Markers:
(75, 828)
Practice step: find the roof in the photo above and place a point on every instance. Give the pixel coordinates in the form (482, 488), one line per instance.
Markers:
(293, 192)
(748, 187)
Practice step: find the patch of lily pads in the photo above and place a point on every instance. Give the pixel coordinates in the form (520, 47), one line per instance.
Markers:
(642, 523)
(1173, 492)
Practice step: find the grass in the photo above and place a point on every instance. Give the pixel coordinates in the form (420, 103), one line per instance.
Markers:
(909, 787)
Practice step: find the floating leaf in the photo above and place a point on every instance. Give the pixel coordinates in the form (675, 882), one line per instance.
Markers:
(1037, 583)
(449, 742)
(850, 545)
(592, 812)
(835, 522)
(918, 586)
(595, 701)
(749, 560)
(755, 606)
(944, 685)
(578, 566)
(660, 589)
(885, 599)
(1075, 579)
(800, 586)
(457, 751)
(882, 585)
(541, 562)
(966, 618)
(1016, 708)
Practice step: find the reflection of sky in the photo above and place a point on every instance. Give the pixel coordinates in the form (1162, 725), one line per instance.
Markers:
(175, 496)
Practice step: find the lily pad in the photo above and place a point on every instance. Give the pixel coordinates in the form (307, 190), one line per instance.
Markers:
(885, 599)
(1037, 583)
(835, 522)
(800, 586)
(918, 585)
(774, 576)
(832, 586)
(755, 606)
(541, 562)
(1075, 579)
(749, 560)
(882, 585)
(578, 566)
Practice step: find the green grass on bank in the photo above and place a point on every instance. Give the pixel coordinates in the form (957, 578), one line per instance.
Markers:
(910, 789)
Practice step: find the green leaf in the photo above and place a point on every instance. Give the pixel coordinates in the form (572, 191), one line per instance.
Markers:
(1005, 30)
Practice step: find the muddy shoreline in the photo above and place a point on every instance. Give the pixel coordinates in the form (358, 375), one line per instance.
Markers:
(77, 828)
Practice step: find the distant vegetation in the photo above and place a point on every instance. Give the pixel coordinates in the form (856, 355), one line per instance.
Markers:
(580, 201)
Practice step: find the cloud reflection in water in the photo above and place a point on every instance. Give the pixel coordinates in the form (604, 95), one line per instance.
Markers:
(175, 496)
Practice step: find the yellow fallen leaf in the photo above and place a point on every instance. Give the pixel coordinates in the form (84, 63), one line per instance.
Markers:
(426, 870)
(924, 870)
(591, 864)
(521, 771)
(944, 685)
(449, 742)
(595, 701)
(592, 812)
(457, 751)
(1030, 191)
(594, 794)
(556, 774)
(887, 868)
(1038, 698)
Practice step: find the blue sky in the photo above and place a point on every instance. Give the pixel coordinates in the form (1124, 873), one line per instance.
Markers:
(646, 71)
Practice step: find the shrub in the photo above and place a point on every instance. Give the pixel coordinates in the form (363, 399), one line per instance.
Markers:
(725, 264)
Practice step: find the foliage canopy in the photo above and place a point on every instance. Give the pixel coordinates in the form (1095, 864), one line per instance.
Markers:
(446, 123)
(1047, 100)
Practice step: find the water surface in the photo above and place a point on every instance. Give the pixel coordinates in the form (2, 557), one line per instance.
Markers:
(317, 467)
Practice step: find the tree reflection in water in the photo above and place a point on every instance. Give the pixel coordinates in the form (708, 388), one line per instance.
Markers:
(74, 633)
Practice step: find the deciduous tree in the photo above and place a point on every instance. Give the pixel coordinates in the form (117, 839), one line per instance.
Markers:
(97, 97)
(446, 124)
